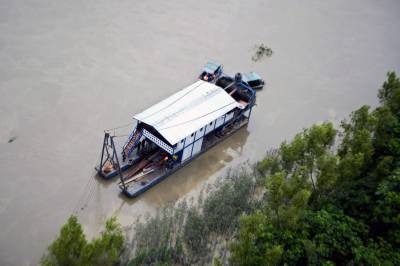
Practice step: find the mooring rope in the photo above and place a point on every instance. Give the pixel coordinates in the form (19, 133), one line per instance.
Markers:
(87, 188)
(120, 136)
(119, 127)
(81, 200)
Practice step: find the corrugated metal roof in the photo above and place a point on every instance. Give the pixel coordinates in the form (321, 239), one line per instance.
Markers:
(188, 110)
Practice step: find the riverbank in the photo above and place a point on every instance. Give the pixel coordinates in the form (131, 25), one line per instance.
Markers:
(328, 196)
(70, 69)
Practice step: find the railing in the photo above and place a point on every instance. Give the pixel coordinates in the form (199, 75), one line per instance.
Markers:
(157, 141)
(132, 142)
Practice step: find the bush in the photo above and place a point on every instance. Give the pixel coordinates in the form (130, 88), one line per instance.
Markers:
(157, 239)
(223, 207)
(71, 247)
(195, 233)
(181, 235)
(262, 51)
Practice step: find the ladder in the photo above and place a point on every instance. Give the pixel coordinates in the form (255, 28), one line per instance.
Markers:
(131, 143)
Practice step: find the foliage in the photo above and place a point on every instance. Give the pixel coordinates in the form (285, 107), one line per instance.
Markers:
(328, 205)
(68, 248)
(223, 206)
(327, 197)
(195, 232)
(193, 235)
(72, 248)
(106, 249)
(261, 51)
(157, 240)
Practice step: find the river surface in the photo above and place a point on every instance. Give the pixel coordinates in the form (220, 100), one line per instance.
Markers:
(70, 69)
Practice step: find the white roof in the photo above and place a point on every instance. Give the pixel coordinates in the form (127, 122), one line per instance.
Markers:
(188, 110)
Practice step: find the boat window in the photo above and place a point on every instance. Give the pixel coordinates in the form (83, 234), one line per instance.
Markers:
(192, 135)
(210, 123)
(201, 129)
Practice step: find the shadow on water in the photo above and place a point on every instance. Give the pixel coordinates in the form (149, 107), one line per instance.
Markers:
(105, 199)
(195, 173)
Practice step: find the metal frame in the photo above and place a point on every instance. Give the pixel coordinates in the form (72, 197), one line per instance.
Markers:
(158, 142)
(108, 142)
(117, 162)
(104, 148)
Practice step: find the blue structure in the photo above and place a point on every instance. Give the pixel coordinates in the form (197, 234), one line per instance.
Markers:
(211, 71)
(253, 80)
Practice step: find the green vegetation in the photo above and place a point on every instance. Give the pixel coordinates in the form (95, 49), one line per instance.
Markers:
(194, 234)
(72, 248)
(328, 197)
(328, 205)
(261, 51)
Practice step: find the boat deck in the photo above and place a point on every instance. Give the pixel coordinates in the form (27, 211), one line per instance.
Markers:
(141, 181)
(125, 165)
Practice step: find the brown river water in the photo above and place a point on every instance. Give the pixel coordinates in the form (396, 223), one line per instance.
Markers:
(70, 69)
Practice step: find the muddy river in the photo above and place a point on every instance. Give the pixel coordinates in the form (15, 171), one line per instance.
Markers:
(70, 69)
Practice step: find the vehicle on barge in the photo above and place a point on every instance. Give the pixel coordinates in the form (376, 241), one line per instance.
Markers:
(173, 132)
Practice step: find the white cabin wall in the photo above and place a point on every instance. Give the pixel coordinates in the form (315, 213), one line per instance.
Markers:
(210, 127)
(187, 152)
(189, 139)
(191, 145)
(229, 116)
(179, 146)
(219, 121)
(197, 146)
(199, 133)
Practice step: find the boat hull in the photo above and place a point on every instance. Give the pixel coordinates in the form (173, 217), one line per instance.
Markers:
(113, 173)
(156, 180)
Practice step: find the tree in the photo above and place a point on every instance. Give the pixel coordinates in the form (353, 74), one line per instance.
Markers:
(106, 249)
(252, 241)
(317, 204)
(286, 198)
(195, 233)
(387, 209)
(302, 154)
(223, 207)
(352, 215)
(336, 237)
(68, 248)
(389, 94)
(72, 248)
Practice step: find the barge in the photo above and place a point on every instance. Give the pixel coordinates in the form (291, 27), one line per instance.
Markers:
(173, 132)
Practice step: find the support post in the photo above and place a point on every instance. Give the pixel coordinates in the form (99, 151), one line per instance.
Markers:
(105, 143)
(252, 105)
(116, 161)
(251, 108)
